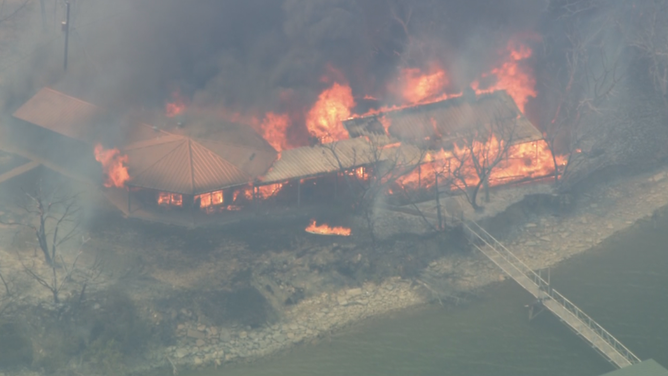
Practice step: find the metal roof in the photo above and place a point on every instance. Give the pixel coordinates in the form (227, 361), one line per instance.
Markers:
(61, 113)
(180, 164)
(448, 118)
(315, 160)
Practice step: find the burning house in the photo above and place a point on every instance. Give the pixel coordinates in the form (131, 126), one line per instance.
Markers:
(193, 165)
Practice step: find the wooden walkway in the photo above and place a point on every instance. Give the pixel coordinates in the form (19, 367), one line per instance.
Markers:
(583, 325)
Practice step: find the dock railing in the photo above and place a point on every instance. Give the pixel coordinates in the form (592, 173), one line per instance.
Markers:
(541, 289)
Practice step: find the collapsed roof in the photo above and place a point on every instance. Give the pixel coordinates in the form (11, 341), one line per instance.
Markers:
(448, 119)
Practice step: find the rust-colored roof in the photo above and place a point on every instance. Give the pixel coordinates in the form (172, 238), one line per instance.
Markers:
(310, 161)
(61, 113)
(448, 118)
(180, 164)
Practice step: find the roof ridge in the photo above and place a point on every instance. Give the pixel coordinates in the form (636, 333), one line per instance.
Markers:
(155, 141)
(236, 145)
(160, 159)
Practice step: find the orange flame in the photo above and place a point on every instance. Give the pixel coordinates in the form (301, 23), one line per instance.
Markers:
(177, 106)
(518, 81)
(274, 127)
(324, 120)
(210, 199)
(324, 229)
(526, 160)
(113, 165)
(170, 199)
(415, 87)
(271, 190)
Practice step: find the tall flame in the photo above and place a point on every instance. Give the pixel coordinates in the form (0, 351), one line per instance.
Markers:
(515, 79)
(324, 120)
(325, 229)
(274, 130)
(113, 165)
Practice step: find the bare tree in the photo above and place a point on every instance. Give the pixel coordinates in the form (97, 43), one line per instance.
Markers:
(55, 221)
(648, 34)
(382, 164)
(583, 68)
(483, 148)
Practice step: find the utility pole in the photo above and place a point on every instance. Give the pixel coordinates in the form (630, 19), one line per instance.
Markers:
(43, 8)
(66, 28)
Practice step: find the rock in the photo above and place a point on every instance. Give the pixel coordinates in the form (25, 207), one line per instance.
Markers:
(545, 239)
(243, 334)
(224, 335)
(213, 331)
(199, 343)
(198, 361)
(354, 292)
(201, 327)
(181, 353)
(180, 327)
(658, 177)
(341, 300)
(291, 335)
(530, 243)
(192, 333)
(529, 225)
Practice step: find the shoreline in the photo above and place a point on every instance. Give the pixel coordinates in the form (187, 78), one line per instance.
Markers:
(542, 242)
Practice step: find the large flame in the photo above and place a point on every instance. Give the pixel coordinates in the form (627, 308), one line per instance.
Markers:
(324, 120)
(415, 86)
(274, 130)
(113, 165)
(325, 229)
(518, 81)
(526, 160)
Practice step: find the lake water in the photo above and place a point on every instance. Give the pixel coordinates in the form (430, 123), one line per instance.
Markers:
(623, 284)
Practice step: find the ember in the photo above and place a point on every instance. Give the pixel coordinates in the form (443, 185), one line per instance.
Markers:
(324, 229)
(113, 165)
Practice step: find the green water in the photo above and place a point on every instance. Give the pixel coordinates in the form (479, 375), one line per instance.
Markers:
(623, 285)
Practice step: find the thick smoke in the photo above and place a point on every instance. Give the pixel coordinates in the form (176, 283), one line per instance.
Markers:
(256, 56)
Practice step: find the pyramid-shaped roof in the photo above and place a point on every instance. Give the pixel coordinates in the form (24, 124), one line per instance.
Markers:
(181, 164)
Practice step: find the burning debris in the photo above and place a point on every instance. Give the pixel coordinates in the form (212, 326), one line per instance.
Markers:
(325, 229)
(113, 165)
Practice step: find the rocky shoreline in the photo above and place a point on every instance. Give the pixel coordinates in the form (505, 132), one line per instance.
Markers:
(542, 242)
